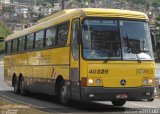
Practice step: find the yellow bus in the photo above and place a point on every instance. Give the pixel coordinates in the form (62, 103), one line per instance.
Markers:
(87, 54)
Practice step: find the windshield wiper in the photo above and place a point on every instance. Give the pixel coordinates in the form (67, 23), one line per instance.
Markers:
(133, 50)
(139, 50)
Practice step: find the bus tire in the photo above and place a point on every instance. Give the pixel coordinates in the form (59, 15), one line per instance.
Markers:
(22, 87)
(152, 99)
(16, 85)
(63, 93)
(118, 102)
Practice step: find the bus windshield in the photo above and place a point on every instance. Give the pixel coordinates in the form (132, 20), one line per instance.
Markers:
(136, 40)
(113, 39)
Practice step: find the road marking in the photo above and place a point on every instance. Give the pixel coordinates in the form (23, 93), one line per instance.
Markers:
(141, 105)
(31, 105)
(19, 101)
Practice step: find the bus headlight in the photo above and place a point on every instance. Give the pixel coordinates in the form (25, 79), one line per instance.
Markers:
(98, 81)
(147, 81)
(150, 81)
(90, 81)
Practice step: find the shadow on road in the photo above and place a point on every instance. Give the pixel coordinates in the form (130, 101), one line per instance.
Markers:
(48, 103)
(78, 107)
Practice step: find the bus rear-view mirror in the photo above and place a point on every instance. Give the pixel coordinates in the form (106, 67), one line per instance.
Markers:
(153, 40)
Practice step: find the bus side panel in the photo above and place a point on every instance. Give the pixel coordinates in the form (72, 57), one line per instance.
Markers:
(7, 70)
(17, 64)
(40, 69)
(47, 66)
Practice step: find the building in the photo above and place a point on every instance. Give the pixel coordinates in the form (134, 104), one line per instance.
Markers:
(46, 11)
(1, 7)
(57, 6)
(5, 1)
(21, 10)
(35, 9)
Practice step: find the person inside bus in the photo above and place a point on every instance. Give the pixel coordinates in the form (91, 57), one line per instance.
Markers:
(100, 46)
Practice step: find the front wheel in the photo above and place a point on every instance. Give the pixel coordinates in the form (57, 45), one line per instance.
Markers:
(118, 102)
(152, 99)
(63, 94)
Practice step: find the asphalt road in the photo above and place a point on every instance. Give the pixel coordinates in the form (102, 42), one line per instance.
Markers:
(50, 104)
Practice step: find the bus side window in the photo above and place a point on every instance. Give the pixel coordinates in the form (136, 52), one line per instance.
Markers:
(30, 39)
(63, 34)
(21, 45)
(50, 37)
(8, 47)
(39, 40)
(14, 45)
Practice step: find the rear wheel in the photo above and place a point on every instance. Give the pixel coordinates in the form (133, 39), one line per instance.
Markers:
(63, 94)
(22, 87)
(118, 102)
(16, 85)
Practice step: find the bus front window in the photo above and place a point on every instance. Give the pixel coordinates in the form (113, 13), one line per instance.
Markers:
(136, 41)
(101, 39)
(114, 39)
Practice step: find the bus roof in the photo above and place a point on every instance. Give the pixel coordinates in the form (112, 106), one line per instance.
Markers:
(65, 15)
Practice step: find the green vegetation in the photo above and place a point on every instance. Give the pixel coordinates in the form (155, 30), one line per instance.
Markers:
(158, 21)
(4, 32)
(39, 2)
(8, 9)
(138, 1)
(154, 3)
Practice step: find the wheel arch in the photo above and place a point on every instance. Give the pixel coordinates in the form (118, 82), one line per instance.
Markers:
(59, 79)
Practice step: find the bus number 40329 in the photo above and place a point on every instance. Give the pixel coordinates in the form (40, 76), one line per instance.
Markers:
(98, 71)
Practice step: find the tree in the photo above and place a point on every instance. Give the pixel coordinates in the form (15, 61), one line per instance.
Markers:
(138, 1)
(7, 9)
(4, 32)
(156, 3)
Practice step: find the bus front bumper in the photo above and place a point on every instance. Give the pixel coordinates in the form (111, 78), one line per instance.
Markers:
(109, 94)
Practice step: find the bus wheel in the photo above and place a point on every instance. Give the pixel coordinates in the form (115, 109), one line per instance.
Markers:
(22, 87)
(63, 94)
(16, 85)
(152, 99)
(118, 102)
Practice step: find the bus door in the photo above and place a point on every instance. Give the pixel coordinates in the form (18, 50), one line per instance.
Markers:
(74, 62)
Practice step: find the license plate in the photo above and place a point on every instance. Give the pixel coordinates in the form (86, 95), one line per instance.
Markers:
(121, 96)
